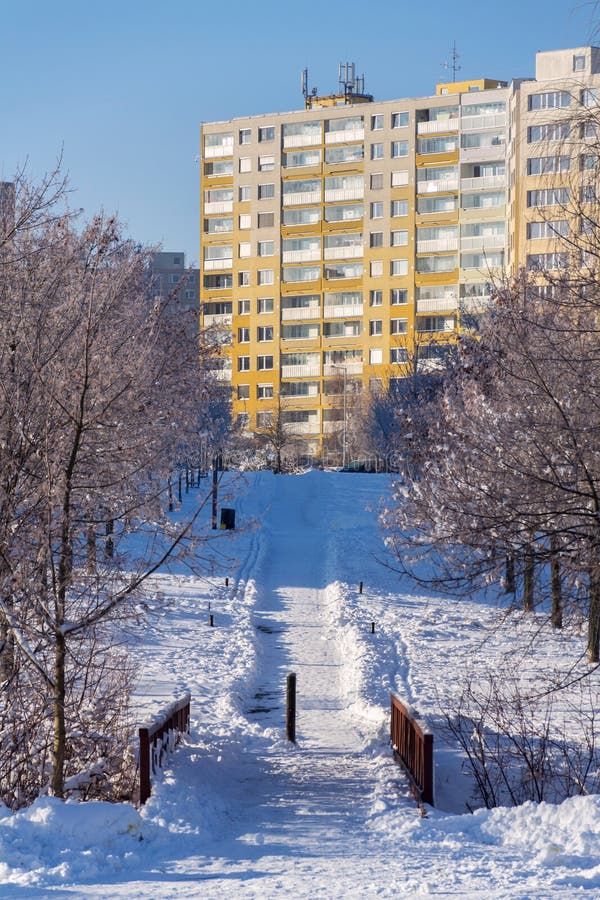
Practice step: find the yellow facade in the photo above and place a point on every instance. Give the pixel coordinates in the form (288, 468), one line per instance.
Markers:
(342, 244)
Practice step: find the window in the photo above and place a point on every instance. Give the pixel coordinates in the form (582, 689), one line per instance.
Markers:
(245, 250)
(537, 230)
(173, 279)
(344, 212)
(266, 163)
(245, 221)
(579, 63)
(264, 391)
(399, 119)
(218, 167)
(588, 193)
(551, 132)
(243, 392)
(376, 181)
(399, 208)
(308, 216)
(398, 355)
(264, 362)
(245, 164)
(221, 225)
(376, 239)
(375, 327)
(266, 220)
(376, 268)
(547, 165)
(350, 153)
(376, 151)
(375, 357)
(264, 419)
(543, 261)
(588, 162)
(376, 209)
(375, 298)
(243, 420)
(436, 323)
(266, 248)
(399, 238)
(266, 191)
(266, 134)
(299, 158)
(264, 333)
(243, 279)
(266, 276)
(588, 130)
(399, 267)
(399, 179)
(243, 335)
(245, 135)
(243, 363)
(244, 193)
(549, 100)
(398, 326)
(243, 307)
(377, 122)
(398, 296)
(399, 148)
(548, 197)
(265, 305)
(589, 97)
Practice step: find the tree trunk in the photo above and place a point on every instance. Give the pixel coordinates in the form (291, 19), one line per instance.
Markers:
(528, 575)
(593, 643)
(510, 574)
(58, 748)
(556, 613)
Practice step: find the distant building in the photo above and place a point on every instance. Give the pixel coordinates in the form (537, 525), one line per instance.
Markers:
(170, 275)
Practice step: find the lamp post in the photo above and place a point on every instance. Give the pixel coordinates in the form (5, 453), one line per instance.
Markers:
(345, 371)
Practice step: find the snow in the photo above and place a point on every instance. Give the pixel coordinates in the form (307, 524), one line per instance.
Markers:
(239, 812)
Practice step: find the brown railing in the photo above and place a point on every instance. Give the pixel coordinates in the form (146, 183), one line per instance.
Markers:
(413, 748)
(159, 739)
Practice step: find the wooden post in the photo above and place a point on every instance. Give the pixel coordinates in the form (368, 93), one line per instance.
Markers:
(360, 587)
(226, 581)
(214, 489)
(372, 627)
(145, 788)
(290, 718)
(211, 620)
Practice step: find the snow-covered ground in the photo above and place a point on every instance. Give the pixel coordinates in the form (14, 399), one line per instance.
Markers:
(240, 812)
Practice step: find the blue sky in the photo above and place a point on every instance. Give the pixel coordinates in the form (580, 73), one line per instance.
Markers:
(122, 87)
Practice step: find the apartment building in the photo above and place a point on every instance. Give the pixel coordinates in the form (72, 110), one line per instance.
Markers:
(346, 243)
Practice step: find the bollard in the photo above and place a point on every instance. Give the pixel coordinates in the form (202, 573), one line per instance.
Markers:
(211, 620)
(226, 582)
(360, 587)
(290, 719)
(372, 627)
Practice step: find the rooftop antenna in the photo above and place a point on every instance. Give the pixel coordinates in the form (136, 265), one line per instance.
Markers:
(453, 64)
(306, 91)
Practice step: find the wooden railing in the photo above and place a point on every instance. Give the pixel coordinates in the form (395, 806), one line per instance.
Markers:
(413, 748)
(159, 739)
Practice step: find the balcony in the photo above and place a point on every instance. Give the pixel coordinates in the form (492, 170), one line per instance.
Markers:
(483, 242)
(474, 304)
(437, 304)
(302, 427)
(219, 150)
(432, 187)
(344, 252)
(438, 245)
(296, 256)
(302, 140)
(309, 371)
(301, 198)
(222, 206)
(333, 427)
(482, 182)
(210, 265)
(490, 153)
(337, 369)
(221, 374)
(210, 320)
(339, 312)
(438, 125)
(302, 312)
(332, 195)
(348, 134)
(479, 123)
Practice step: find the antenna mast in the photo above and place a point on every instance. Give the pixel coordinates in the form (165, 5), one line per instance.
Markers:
(453, 64)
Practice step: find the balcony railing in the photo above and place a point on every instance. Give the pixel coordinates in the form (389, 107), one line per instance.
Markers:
(479, 123)
(294, 256)
(221, 206)
(431, 187)
(344, 252)
(437, 304)
(333, 194)
(222, 374)
(437, 244)
(348, 134)
(223, 319)
(490, 153)
(211, 264)
(333, 427)
(350, 368)
(220, 150)
(469, 304)
(302, 140)
(483, 181)
(483, 242)
(339, 312)
(300, 312)
(302, 197)
(309, 371)
(438, 125)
